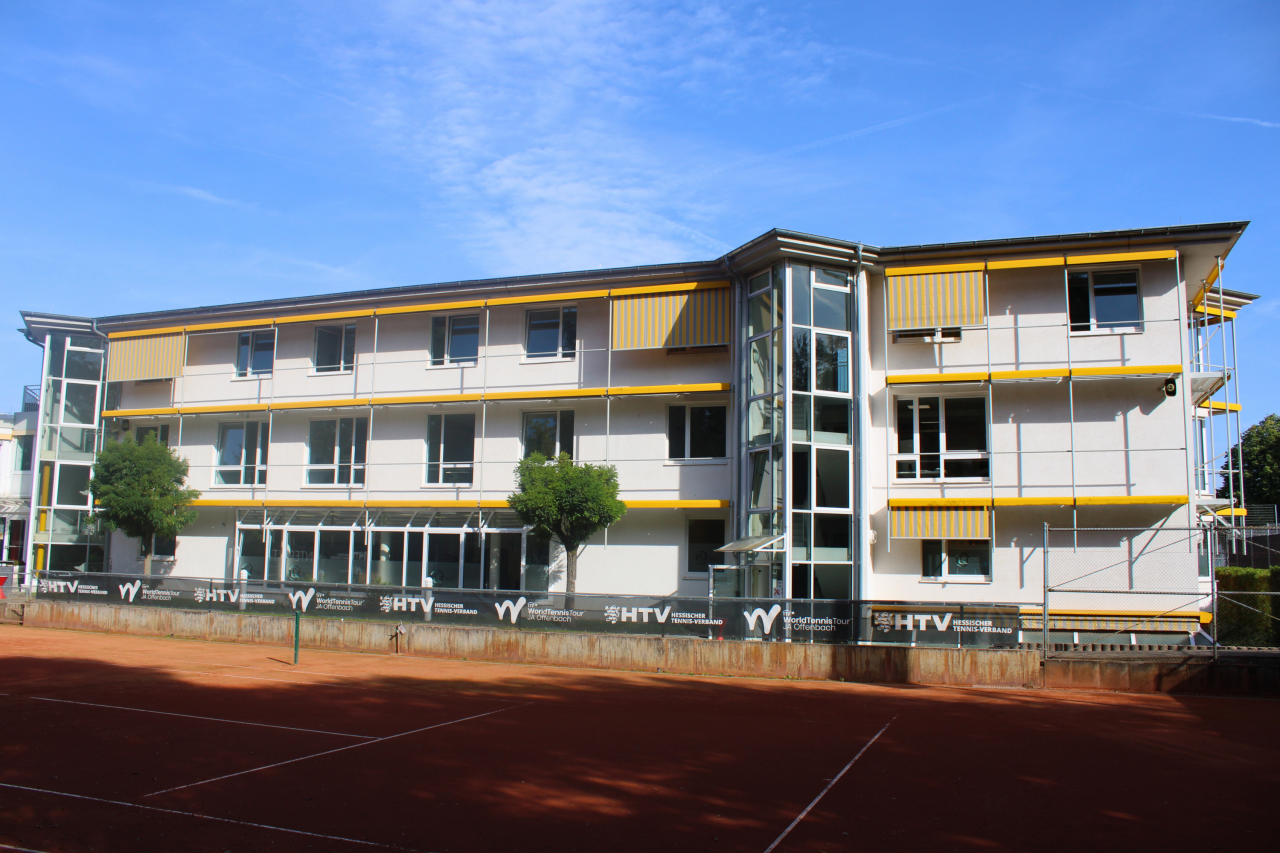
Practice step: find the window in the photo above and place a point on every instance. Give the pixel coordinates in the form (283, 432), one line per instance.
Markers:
(256, 353)
(548, 433)
(927, 336)
(705, 536)
(162, 547)
(552, 333)
(942, 438)
(955, 558)
(1101, 301)
(160, 432)
(696, 432)
(241, 454)
(73, 485)
(26, 451)
(831, 363)
(450, 448)
(455, 340)
(336, 452)
(335, 348)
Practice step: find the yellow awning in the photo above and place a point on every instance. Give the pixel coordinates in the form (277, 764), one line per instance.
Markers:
(659, 320)
(150, 357)
(937, 300)
(933, 522)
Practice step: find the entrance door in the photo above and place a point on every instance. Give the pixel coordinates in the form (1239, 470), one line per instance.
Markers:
(299, 557)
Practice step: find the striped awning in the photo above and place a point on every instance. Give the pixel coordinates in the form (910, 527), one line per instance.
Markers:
(933, 522)
(692, 318)
(150, 357)
(937, 300)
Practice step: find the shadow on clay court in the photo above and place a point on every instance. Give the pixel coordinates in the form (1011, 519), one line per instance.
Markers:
(479, 757)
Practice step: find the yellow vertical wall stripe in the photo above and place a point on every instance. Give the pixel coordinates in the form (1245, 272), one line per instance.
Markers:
(935, 300)
(659, 320)
(151, 357)
(940, 522)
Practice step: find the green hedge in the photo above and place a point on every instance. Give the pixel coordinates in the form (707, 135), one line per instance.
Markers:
(1248, 620)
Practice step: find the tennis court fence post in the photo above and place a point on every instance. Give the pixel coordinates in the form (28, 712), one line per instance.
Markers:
(297, 625)
(1044, 607)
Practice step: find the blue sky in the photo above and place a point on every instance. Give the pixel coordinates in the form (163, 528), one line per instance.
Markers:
(168, 155)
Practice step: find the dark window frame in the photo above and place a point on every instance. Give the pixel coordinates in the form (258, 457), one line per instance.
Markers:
(346, 362)
(683, 433)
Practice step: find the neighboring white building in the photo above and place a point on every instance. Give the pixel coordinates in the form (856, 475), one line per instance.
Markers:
(886, 423)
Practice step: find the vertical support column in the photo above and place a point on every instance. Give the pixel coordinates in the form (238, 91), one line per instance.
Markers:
(1071, 402)
(1044, 607)
(608, 392)
(888, 413)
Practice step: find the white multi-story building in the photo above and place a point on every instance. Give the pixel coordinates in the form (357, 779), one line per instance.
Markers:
(875, 423)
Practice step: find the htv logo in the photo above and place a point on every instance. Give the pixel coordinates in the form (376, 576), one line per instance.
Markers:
(410, 603)
(129, 590)
(629, 614)
(301, 598)
(61, 586)
(910, 621)
(766, 618)
(231, 595)
(507, 607)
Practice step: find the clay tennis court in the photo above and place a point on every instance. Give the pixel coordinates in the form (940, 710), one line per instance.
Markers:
(126, 743)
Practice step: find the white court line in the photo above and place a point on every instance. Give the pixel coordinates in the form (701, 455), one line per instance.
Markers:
(203, 817)
(10, 846)
(331, 751)
(197, 717)
(830, 785)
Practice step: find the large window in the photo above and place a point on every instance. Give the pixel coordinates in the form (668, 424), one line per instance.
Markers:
(705, 536)
(450, 448)
(942, 438)
(255, 353)
(552, 333)
(335, 348)
(955, 558)
(26, 451)
(160, 432)
(548, 433)
(455, 340)
(1104, 301)
(241, 454)
(336, 452)
(696, 432)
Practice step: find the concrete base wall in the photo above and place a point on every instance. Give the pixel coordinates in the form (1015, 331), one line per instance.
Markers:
(870, 664)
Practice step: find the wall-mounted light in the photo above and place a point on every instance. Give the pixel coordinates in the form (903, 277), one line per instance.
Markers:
(124, 425)
(1171, 387)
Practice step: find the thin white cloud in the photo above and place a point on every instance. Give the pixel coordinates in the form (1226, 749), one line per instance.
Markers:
(192, 193)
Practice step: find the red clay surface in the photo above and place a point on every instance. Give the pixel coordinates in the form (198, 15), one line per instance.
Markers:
(442, 756)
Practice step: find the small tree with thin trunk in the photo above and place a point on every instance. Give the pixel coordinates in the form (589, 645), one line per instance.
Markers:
(570, 502)
(141, 489)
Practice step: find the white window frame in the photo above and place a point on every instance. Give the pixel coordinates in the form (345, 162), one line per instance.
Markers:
(697, 460)
(248, 372)
(445, 359)
(558, 413)
(946, 576)
(1135, 328)
(470, 466)
(260, 460)
(559, 355)
(342, 367)
(943, 453)
(361, 467)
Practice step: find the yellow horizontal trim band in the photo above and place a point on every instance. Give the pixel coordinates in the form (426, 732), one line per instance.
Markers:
(669, 288)
(1207, 309)
(1035, 501)
(669, 389)
(1052, 373)
(677, 504)
(144, 333)
(549, 297)
(318, 404)
(969, 266)
(331, 315)
(1158, 614)
(909, 502)
(423, 309)
(138, 413)
(1134, 370)
(425, 398)
(1219, 406)
(1233, 511)
(1131, 500)
(1023, 263)
(1121, 257)
(428, 503)
(233, 324)
(535, 394)
(926, 378)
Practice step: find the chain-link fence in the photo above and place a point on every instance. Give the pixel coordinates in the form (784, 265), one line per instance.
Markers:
(1196, 590)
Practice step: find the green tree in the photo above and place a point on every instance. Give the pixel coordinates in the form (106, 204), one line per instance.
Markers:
(570, 502)
(141, 489)
(1259, 454)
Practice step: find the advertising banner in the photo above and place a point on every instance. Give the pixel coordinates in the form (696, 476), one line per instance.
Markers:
(993, 626)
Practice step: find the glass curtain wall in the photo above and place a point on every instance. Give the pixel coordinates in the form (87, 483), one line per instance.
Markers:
(65, 537)
(800, 429)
